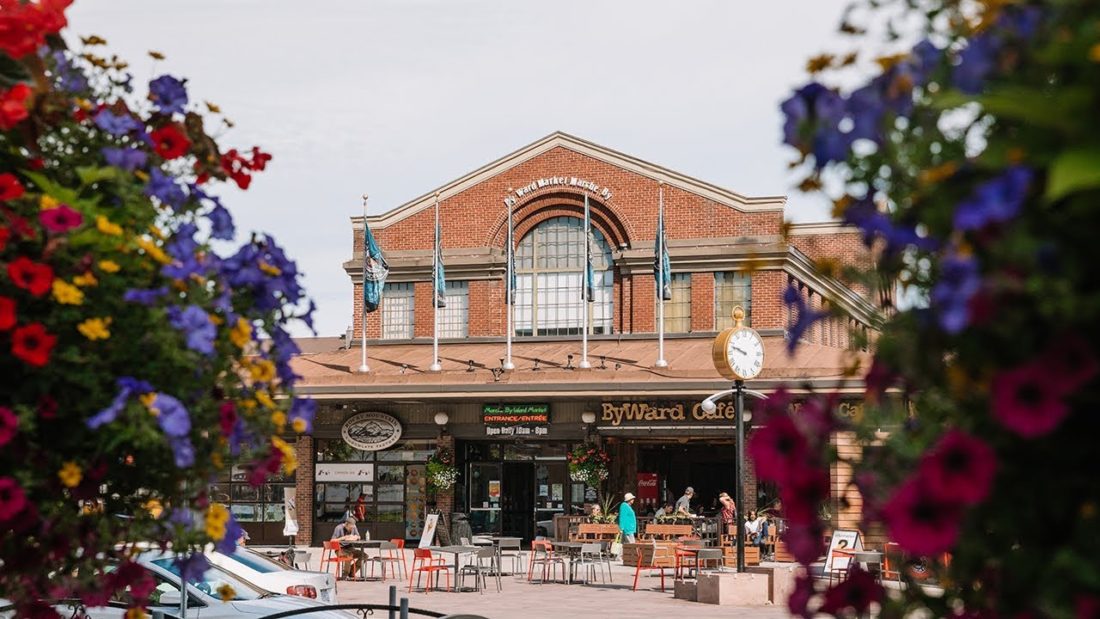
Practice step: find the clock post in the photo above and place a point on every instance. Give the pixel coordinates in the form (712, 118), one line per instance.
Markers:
(739, 456)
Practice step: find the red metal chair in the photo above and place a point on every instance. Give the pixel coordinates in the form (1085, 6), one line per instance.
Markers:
(657, 555)
(330, 555)
(432, 565)
(400, 553)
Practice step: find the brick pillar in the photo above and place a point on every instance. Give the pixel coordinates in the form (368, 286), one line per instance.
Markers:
(445, 500)
(303, 491)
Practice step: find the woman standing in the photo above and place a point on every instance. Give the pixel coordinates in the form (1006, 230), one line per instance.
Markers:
(729, 513)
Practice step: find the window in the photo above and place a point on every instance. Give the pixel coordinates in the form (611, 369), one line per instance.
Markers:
(549, 275)
(678, 309)
(397, 311)
(250, 503)
(731, 289)
(454, 318)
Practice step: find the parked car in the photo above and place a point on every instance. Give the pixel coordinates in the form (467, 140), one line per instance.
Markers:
(275, 577)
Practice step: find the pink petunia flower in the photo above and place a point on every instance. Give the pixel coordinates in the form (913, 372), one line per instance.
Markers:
(959, 469)
(918, 521)
(8, 425)
(777, 449)
(799, 600)
(1070, 364)
(12, 499)
(804, 541)
(857, 592)
(1027, 401)
(60, 219)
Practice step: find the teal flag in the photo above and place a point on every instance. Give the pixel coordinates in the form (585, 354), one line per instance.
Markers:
(661, 268)
(589, 274)
(375, 270)
(440, 279)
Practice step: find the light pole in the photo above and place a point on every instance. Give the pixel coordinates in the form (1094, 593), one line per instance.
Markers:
(709, 405)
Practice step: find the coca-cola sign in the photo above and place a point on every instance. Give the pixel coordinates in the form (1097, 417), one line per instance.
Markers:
(647, 488)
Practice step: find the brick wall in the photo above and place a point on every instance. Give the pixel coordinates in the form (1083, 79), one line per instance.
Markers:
(477, 218)
(303, 490)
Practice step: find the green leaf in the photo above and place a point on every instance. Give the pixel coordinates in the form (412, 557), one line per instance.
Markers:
(1062, 112)
(1074, 170)
(91, 174)
(12, 72)
(52, 189)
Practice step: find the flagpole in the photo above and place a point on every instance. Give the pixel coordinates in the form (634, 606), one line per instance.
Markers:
(661, 363)
(436, 257)
(509, 307)
(363, 367)
(584, 364)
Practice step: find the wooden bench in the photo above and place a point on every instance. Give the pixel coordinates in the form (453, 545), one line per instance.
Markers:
(595, 532)
(666, 531)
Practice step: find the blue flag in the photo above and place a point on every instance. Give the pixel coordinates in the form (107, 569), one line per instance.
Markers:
(440, 279)
(589, 275)
(375, 270)
(661, 268)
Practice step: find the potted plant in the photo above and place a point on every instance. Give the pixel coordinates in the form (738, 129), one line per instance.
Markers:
(588, 463)
(441, 470)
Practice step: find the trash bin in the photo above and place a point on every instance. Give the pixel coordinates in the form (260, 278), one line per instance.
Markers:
(460, 528)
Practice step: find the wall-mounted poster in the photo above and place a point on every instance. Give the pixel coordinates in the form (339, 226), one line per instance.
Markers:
(494, 489)
(556, 492)
(430, 523)
(415, 500)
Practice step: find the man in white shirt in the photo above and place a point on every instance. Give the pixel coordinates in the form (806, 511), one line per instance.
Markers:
(683, 504)
(347, 532)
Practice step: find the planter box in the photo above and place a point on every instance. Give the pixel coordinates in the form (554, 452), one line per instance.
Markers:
(667, 557)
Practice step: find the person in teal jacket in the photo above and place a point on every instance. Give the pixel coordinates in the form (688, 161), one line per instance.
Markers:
(628, 522)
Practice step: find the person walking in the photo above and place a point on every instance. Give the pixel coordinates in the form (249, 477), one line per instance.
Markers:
(683, 504)
(628, 522)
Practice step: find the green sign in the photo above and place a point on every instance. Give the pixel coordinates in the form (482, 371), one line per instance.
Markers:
(516, 419)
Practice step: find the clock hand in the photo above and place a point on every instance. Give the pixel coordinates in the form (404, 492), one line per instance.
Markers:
(740, 351)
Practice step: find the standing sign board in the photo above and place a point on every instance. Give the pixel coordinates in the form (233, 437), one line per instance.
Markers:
(430, 523)
(843, 539)
(290, 510)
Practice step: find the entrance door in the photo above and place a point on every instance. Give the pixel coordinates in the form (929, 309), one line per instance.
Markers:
(517, 501)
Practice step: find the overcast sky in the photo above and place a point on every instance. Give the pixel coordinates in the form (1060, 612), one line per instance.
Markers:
(394, 98)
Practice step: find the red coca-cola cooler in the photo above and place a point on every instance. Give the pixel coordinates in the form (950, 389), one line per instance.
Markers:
(647, 490)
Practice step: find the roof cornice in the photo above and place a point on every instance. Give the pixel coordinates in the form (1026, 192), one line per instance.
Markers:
(564, 140)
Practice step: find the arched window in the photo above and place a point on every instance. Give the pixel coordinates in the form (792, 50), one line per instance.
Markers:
(549, 273)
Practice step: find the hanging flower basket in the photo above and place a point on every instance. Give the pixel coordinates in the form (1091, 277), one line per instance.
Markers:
(588, 464)
(441, 470)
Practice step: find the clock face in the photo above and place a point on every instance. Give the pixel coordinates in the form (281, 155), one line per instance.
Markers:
(745, 353)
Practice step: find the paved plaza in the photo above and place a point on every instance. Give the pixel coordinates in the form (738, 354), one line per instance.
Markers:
(525, 600)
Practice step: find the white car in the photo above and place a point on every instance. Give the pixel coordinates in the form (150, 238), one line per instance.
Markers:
(272, 576)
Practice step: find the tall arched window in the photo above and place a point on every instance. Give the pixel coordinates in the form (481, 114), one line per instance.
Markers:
(549, 272)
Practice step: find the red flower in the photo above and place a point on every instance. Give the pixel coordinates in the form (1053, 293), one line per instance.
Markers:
(5, 234)
(60, 219)
(802, 493)
(8, 425)
(47, 407)
(1027, 401)
(856, 592)
(13, 106)
(24, 25)
(10, 188)
(237, 168)
(32, 343)
(259, 159)
(919, 522)
(227, 418)
(804, 541)
(799, 600)
(959, 469)
(33, 277)
(169, 142)
(7, 313)
(777, 449)
(12, 499)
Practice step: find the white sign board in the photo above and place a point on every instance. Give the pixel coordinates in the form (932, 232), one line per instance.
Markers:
(429, 530)
(843, 539)
(342, 471)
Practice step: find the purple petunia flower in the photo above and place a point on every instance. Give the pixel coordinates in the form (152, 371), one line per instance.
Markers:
(806, 317)
(164, 188)
(127, 388)
(172, 415)
(979, 58)
(995, 201)
(128, 159)
(196, 325)
(233, 532)
(221, 223)
(304, 409)
(115, 124)
(878, 225)
(191, 567)
(69, 77)
(183, 452)
(144, 296)
(958, 282)
(169, 93)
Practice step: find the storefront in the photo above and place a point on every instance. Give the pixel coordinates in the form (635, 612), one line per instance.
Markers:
(511, 413)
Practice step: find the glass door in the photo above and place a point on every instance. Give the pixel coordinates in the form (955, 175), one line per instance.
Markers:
(552, 495)
(517, 500)
(485, 498)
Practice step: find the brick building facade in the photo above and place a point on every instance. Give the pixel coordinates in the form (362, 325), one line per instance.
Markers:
(724, 249)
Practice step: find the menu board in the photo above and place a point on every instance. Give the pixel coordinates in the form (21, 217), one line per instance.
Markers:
(415, 500)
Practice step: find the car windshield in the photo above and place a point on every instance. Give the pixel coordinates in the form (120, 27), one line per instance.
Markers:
(214, 578)
(256, 561)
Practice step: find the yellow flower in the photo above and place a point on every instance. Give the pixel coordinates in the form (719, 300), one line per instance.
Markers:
(264, 399)
(279, 419)
(241, 334)
(299, 425)
(290, 458)
(248, 404)
(109, 266)
(66, 293)
(262, 371)
(1094, 53)
(226, 592)
(216, 460)
(86, 279)
(154, 252)
(70, 474)
(155, 231)
(215, 530)
(147, 399)
(135, 613)
(95, 328)
(270, 269)
(154, 508)
(105, 226)
(214, 318)
(47, 202)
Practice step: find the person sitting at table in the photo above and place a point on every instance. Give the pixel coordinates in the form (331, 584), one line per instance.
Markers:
(665, 511)
(347, 532)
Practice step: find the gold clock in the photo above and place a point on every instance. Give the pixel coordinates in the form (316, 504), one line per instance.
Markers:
(738, 352)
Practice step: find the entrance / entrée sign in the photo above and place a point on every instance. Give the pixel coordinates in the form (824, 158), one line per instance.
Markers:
(343, 471)
(558, 181)
(516, 419)
(371, 431)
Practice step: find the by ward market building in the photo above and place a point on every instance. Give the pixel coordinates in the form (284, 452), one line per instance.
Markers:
(511, 430)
